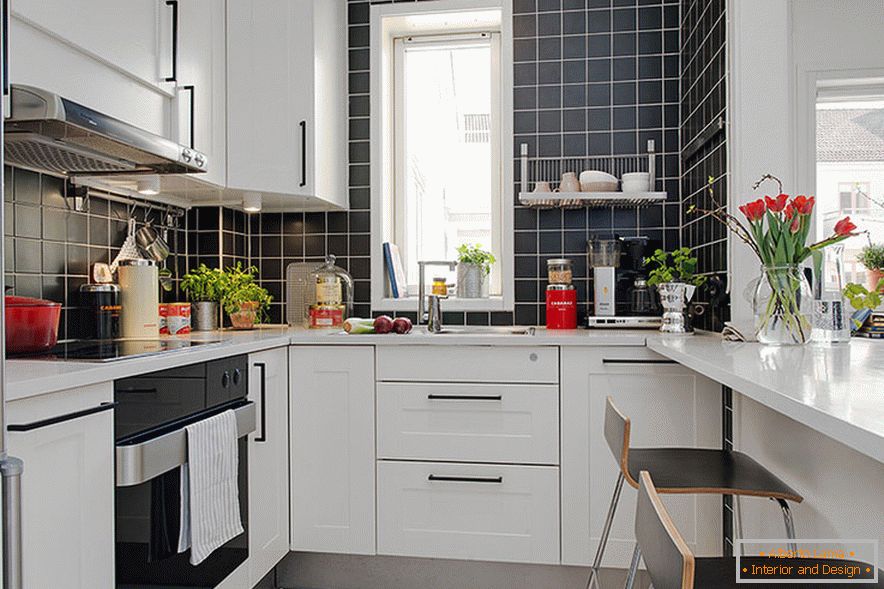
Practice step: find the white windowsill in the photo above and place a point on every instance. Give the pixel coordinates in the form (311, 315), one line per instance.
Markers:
(451, 304)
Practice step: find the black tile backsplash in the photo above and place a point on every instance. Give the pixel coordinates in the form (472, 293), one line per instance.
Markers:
(50, 248)
(591, 78)
(704, 146)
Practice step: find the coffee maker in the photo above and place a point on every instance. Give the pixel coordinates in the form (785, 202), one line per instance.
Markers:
(622, 297)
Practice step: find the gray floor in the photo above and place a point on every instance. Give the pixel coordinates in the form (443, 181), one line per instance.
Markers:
(335, 571)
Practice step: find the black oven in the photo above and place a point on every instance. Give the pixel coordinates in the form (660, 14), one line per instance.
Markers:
(151, 413)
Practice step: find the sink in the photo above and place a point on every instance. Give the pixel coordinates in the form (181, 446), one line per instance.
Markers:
(478, 330)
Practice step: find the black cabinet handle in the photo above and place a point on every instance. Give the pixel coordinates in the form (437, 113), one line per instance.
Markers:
(26, 427)
(189, 88)
(303, 126)
(432, 397)
(636, 361)
(174, 76)
(447, 479)
(263, 368)
(5, 9)
(140, 391)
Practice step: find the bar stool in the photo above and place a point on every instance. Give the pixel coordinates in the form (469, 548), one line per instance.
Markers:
(687, 471)
(672, 565)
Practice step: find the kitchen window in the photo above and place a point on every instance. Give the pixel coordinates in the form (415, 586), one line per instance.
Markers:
(441, 122)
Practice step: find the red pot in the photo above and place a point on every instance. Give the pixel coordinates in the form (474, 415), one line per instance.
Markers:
(31, 324)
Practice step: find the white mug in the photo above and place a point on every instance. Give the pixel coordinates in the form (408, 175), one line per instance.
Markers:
(569, 182)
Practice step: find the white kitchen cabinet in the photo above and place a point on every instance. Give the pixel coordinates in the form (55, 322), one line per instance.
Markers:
(473, 422)
(133, 37)
(67, 487)
(286, 99)
(201, 97)
(669, 405)
(268, 462)
(332, 448)
(469, 511)
(501, 364)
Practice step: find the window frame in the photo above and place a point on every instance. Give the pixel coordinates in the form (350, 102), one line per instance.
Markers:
(397, 203)
(441, 18)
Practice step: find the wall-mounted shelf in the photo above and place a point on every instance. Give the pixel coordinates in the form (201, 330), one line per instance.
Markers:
(576, 200)
(550, 170)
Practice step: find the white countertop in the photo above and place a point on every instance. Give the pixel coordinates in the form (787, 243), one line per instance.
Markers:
(28, 378)
(836, 390)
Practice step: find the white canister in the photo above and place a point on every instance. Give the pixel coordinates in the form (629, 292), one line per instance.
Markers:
(636, 182)
(140, 299)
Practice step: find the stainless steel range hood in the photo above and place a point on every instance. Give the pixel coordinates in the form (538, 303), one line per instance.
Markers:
(49, 133)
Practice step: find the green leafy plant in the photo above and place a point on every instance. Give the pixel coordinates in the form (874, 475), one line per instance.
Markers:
(679, 266)
(239, 287)
(860, 298)
(204, 284)
(872, 256)
(474, 254)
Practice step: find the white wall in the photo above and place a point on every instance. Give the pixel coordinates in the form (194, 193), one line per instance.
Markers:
(778, 49)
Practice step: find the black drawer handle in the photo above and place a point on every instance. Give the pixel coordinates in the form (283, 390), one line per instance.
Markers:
(636, 361)
(26, 427)
(447, 479)
(432, 397)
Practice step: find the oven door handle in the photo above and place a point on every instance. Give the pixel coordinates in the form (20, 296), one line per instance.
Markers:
(139, 463)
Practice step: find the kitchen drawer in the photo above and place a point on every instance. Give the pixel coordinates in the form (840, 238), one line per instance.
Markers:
(468, 422)
(469, 511)
(468, 364)
(142, 402)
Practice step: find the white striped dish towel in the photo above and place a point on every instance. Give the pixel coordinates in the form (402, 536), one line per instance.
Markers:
(209, 491)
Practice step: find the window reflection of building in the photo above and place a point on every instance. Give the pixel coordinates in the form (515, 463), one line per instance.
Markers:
(850, 175)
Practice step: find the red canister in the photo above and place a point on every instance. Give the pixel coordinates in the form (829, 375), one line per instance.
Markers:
(561, 307)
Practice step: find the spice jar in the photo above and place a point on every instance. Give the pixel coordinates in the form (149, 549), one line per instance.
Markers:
(440, 287)
(558, 271)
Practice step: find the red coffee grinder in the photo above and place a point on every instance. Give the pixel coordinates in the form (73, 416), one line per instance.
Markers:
(561, 298)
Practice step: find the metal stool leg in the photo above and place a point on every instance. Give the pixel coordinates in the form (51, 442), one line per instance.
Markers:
(790, 525)
(633, 567)
(603, 541)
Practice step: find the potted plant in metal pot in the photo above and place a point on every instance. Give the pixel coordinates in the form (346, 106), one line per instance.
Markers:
(675, 277)
(473, 268)
(872, 257)
(244, 300)
(204, 287)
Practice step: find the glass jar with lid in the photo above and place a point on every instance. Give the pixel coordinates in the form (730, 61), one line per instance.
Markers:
(330, 296)
(558, 271)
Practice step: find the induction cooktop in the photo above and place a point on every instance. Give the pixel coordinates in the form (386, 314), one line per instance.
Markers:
(110, 350)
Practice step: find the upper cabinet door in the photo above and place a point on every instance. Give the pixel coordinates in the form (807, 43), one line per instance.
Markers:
(202, 84)
(270, 89)
(134, 36)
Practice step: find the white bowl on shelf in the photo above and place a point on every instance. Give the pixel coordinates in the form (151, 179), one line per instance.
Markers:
(597, 181)
(636, 182)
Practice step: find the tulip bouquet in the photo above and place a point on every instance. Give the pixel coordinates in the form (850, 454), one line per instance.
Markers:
(776, 228)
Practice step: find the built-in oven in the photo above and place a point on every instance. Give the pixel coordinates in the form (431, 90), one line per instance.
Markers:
(151, 445)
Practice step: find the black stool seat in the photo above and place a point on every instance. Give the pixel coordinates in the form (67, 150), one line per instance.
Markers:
(698, 470)
(720, 573)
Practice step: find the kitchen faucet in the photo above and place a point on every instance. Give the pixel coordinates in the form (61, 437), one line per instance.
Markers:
(430, 313)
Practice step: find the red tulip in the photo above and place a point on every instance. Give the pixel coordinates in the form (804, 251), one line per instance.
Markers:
(803, 204)
(789, 211)
(844, 227)
(776, 205)
(754, 211)
(796, 224)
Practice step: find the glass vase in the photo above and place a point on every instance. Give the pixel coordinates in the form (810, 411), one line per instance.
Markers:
(831, 316)
(783, 305)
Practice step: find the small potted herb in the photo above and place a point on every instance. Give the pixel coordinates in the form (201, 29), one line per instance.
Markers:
(872, 257)
(473, 268)
(675, 277)
(204, 287)
(244, 300)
